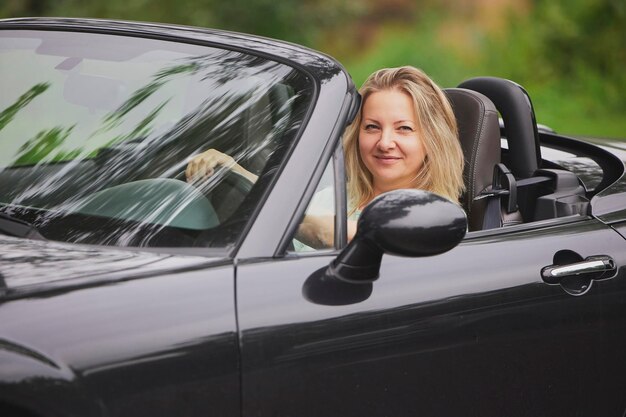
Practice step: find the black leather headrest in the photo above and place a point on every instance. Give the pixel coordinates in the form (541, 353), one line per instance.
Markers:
(520, 126)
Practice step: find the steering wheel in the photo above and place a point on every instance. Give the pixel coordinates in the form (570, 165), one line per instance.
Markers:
(160, 201)
(225, 189)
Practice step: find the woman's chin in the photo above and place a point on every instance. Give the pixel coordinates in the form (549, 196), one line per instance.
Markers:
(388, 183)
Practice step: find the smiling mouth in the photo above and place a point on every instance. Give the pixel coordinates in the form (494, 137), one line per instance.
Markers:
(386, 160)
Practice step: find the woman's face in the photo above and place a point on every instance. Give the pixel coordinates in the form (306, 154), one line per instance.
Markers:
(389, 140)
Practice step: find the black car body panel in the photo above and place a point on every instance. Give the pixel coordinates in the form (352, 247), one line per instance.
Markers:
(32, 267)
(255, 329)
(131, 351)
(472, 332)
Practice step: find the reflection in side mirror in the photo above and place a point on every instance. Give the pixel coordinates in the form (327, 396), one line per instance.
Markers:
(403, 223)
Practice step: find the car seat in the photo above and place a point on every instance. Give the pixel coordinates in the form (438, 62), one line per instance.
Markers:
(479, 134)
(541, 192)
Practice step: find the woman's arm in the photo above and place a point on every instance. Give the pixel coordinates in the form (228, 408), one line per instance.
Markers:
(351, 229)
(318, 231)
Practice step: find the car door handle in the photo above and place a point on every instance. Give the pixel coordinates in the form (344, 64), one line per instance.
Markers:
(593, 267)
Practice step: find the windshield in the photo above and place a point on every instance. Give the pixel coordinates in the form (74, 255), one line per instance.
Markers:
(96, 132)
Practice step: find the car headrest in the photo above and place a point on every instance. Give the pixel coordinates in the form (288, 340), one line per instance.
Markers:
(479, 134)
(520, 125)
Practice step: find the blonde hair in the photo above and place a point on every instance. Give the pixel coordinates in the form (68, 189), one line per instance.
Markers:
(442, 171)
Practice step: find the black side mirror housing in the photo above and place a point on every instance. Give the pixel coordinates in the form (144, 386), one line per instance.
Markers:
(404, 223)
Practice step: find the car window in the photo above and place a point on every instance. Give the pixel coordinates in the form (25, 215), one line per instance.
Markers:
(96, 131)
(320, 211)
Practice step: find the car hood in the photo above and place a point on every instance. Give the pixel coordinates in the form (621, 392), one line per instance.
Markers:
(33, 266)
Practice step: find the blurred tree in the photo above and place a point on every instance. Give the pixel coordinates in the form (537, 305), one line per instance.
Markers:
(300, 21)
(192, 12)
(584, 33)
(576, 44)
(559, 48)
(18, 8)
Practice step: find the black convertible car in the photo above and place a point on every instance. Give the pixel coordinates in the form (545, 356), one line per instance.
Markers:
(127, 291)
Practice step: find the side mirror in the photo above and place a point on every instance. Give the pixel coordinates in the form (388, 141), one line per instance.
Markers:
(401, 222)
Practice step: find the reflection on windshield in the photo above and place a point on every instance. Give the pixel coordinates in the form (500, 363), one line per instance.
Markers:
(94, 139)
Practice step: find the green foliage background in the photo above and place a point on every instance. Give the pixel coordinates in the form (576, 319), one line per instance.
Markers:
(569, 54)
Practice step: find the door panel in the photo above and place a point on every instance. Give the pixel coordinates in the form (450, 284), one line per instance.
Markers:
(474, 331)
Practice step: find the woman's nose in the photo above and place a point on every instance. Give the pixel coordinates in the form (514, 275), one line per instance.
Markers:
(386, 140)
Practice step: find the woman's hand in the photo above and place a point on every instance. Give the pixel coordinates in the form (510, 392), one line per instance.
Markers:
(204, 165)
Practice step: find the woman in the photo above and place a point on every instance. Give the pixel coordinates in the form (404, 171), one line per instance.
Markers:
(405, 136)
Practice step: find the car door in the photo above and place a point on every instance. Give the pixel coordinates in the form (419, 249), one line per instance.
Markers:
(474, 331)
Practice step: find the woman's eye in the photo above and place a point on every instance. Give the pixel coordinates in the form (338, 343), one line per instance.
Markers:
(370, 127)
(406, 128)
